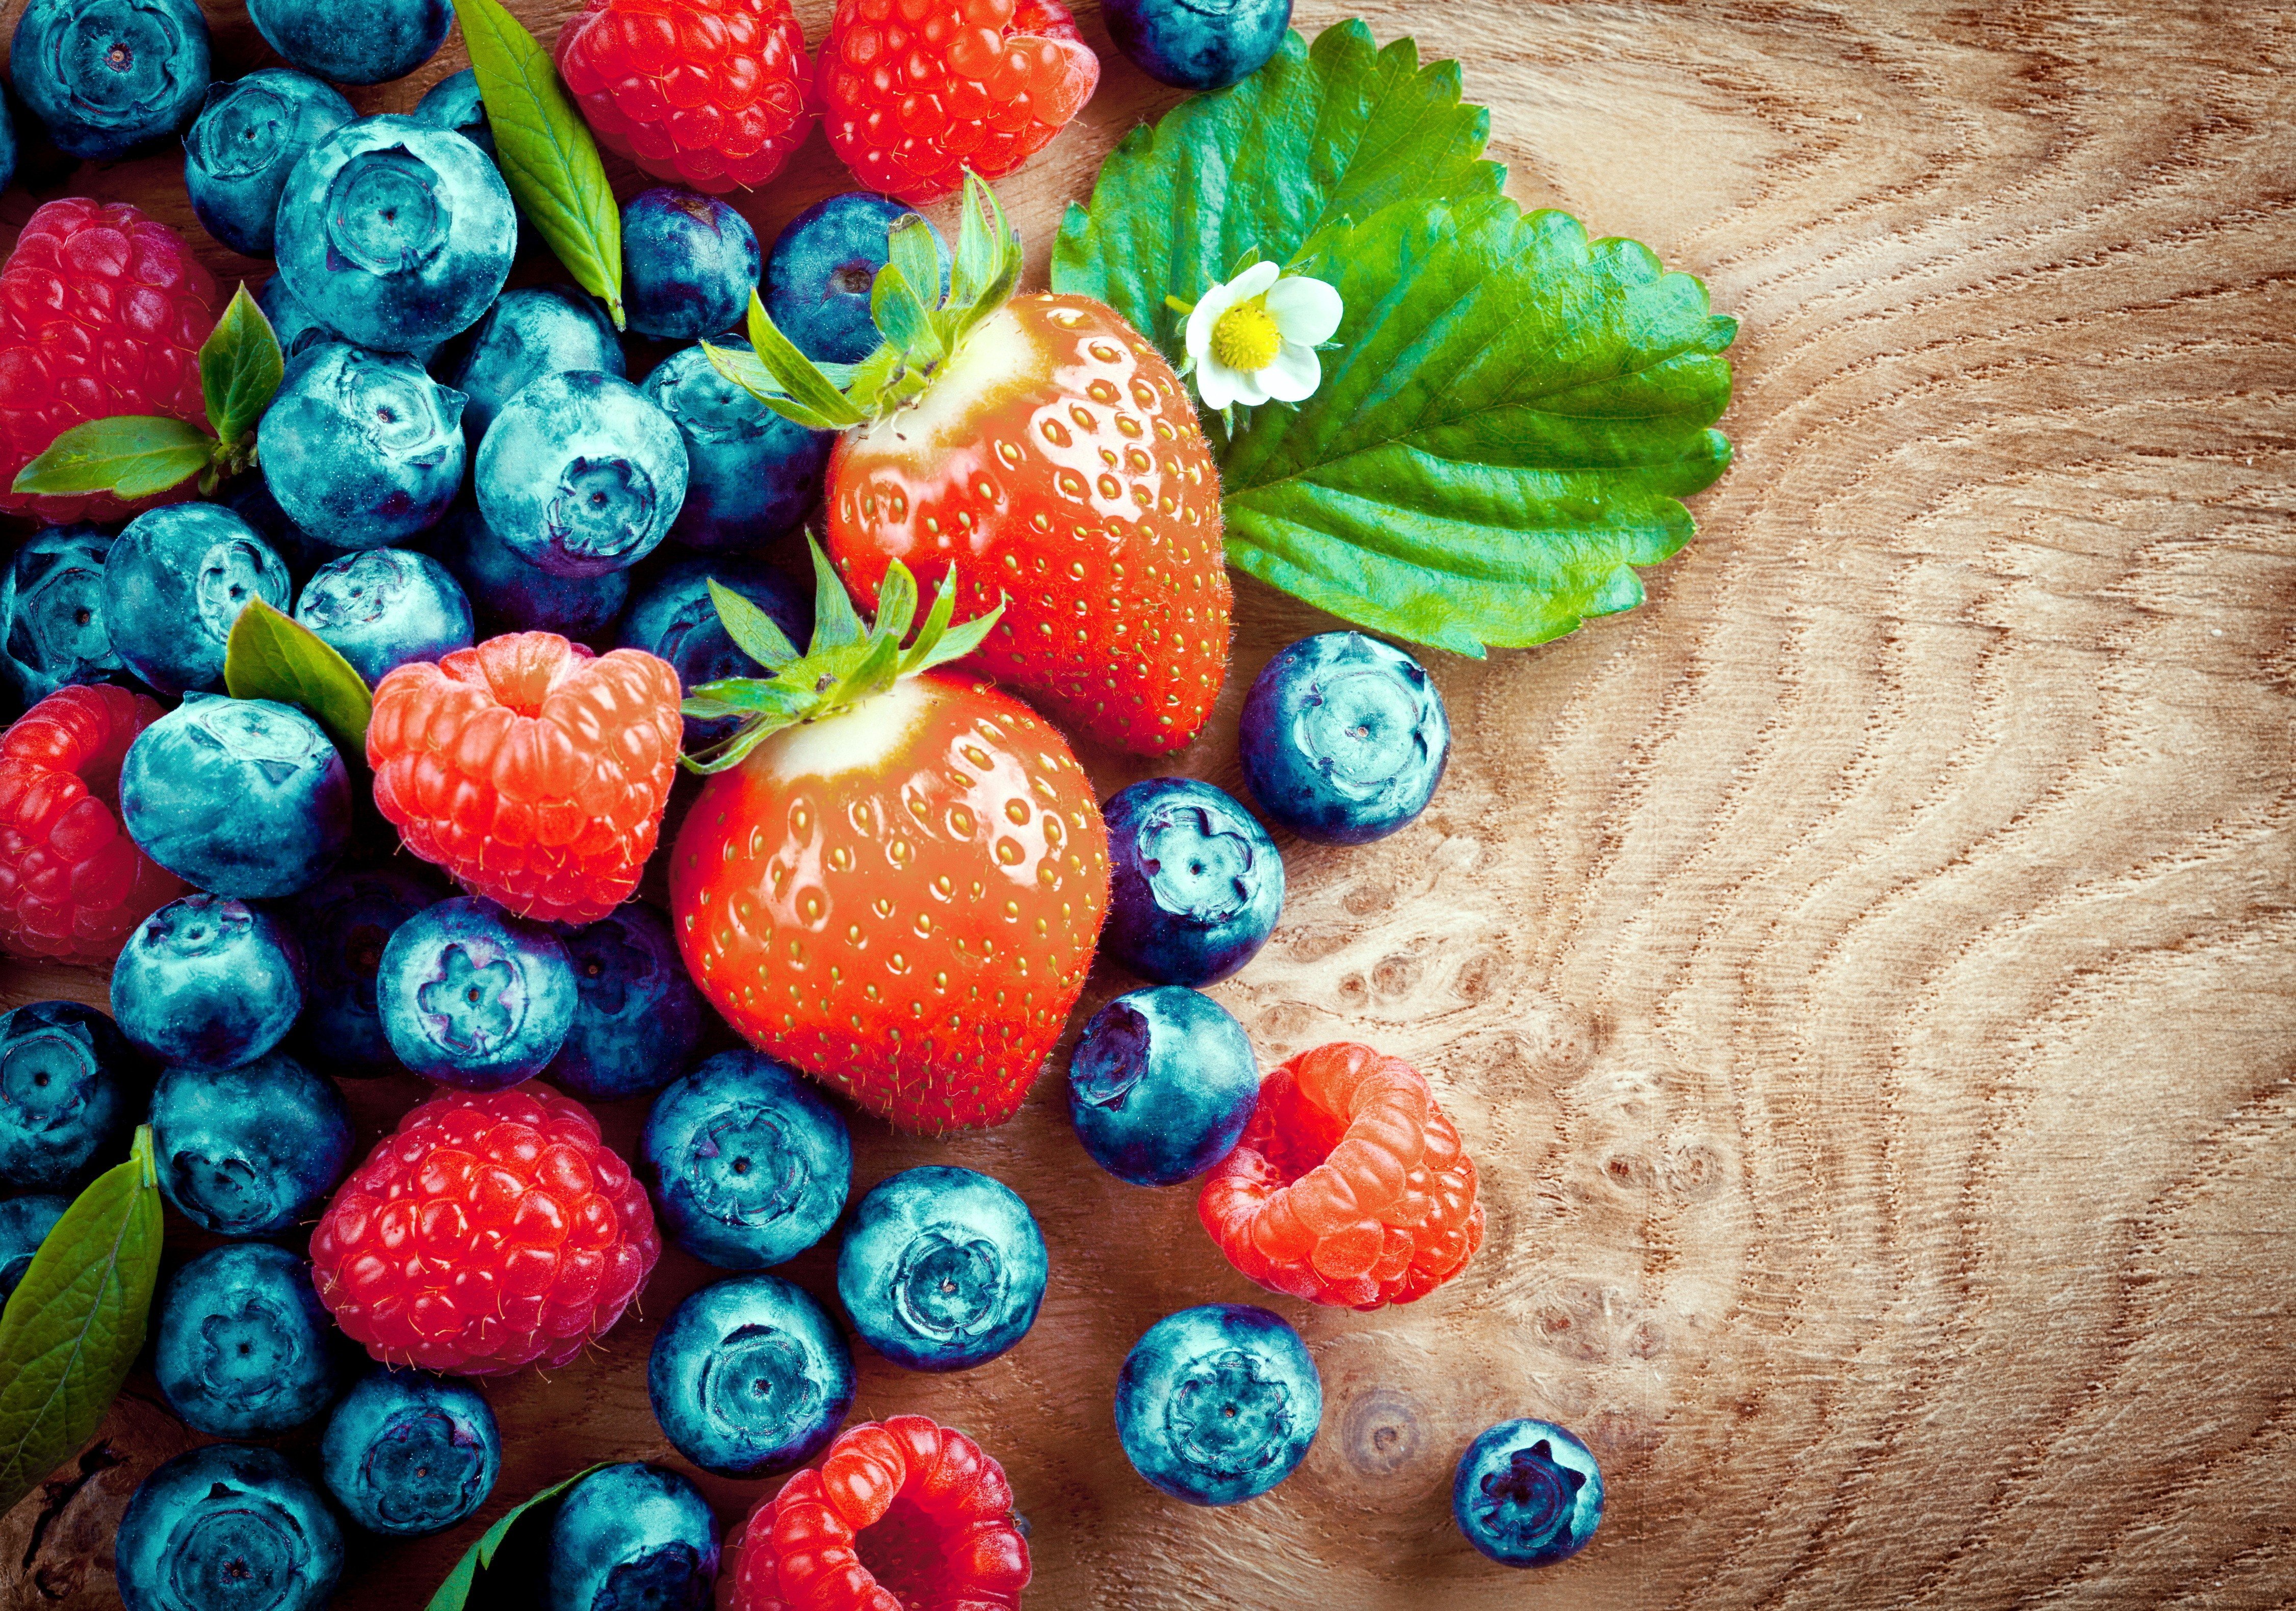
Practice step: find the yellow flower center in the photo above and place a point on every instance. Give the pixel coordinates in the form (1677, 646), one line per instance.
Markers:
(1245, 336)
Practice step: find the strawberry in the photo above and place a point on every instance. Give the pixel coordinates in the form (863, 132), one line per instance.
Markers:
(896, 874)
(1045, 444)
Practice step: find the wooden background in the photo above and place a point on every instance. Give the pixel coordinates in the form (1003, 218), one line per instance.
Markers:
(1863, 973)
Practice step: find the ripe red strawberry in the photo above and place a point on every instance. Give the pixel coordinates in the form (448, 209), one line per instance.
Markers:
(897, 880)
(101, 313)
(73, 885)
(913, 92)
(532, 772)
(708, 92)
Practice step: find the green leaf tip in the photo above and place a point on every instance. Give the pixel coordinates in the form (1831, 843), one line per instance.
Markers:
(130, 455)
(272, 655)
(241, 367)
(455, 1593)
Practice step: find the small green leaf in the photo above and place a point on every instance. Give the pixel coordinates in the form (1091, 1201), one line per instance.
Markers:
(269, 655)
(74, 1323)
(896, 604)
(455, 1593)
(913, 253)
(902, 319)
(989, 262)
(240, 368)
(130, 455)
(753, 631)
(546, 152)
(798, 375)
(835, 622)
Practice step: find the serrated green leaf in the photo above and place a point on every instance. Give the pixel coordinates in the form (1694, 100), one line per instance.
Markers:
(269, 655)
(797, 375)
(911, 249)
(545, 151)
(902, 319)
(74, 1323)
(455, 1593)
(131, 454)
(1505, 431)
(753, 631)
(240, 368)
(835, 622)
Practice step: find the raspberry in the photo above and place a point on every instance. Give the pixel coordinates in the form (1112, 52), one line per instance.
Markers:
(72, 885)
(710, 91)
(490, 1232)
(1349, 1188)
(905, 1514)
(533, 772)
(915, 92)
(102, 312)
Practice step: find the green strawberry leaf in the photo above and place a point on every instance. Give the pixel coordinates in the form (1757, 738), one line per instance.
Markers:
(73, 1325)
(132, 456)
(546, 152)
(240, 369)
(454, 1594)
(1503, 433)
(754, 633)
(269, 655)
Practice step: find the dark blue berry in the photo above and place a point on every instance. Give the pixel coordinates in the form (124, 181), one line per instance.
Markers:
(104, 77)
(1217, 1404)
(383, 607)
(52, 631)
(1198, 44)
(182, 574)
(70, 1092)
(581, 474)
(296, 327)
(208, 982)
(24, 1224)
(238, 152)
(748, 1378)
(224, 1526)
(526, 334)
(455, 103)
(632, 1538)
(676, 619)
(343, 923)
(1195, 886)
(689, 264)
(362, 448)
(407, 1453)
(942, 1269)
(1527, 1493)
(515, 596)
(242, 797)
(823, 266)
(1161, 1085)
(474, 997)
(749, 1167)
(639, 1018)
(353, 41)
(751, 475)
(249, 1151)
(1343, 738)
(245, 1348)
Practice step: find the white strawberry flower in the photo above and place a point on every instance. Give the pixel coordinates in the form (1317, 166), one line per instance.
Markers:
(1253, 339)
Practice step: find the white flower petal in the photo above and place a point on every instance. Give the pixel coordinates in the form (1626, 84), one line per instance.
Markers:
(1294, 376)
(1216, 302)
(1254, 280)
(1215, 384)
(1249, 387)
(1306, 311)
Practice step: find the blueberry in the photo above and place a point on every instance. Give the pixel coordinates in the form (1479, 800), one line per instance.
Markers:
(395, 233)
(632, 1538)
(343, 922)
(1161, 1085)
(381, 608)
(1196, 884)
(639, 1017)
(676, 619)
(7, 144)
(208, 982)
(1343, 738)
(362, 448)
(353, 41)
(249, 1151)
(240, 797)
(104, 77)
(1527, 1493)
(689, 264)
(580, 474)
(227, 1527)
(823, 266)
(526, 334)
(751, 475)
(455, 103)
(1198, 44)
(749, 1377)
(748, 1165)
(245, 1349)
(409, 1453)
(942, 1269)
(182, 574)
(520, 597)
(70, 1091)
(238, 151)
(474, 997)
(24, 1224)
(296, 327)
(52, 631)
(1217, 1404)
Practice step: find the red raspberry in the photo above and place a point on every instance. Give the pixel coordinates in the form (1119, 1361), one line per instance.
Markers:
(710, 91)
(915, 92)
(72, 885)
(488, 1232)
(1349, 1188)
(906, 1513)
(532, 771)
(102, 312)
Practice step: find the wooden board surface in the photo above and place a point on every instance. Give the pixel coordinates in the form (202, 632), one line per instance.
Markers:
(1864, 974)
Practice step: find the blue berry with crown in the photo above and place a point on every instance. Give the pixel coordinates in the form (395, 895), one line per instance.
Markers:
(208, 982)
(210, 1524)
(383, 607)
(71, 1088)
(363, 448)
(580, 473)
(942, 1269)
(239, 797)
(248, 137)
(749, 1377)
(747, 1166)
(52, 624)
(474, 997)
(1195, 884)
(1161, 1085)
(251, 1150)
(1343, 738)
(244, 1349)
(1217, 1404)
(104, 77)
(180, 574)
(1527, 1493)
(407, 1453)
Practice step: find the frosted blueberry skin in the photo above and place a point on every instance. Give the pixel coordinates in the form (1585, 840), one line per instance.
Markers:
(24, 1224)
(227, 1525)
(353, 41)
(362, 448)
(1217, 1404)
(632, 1538)
(512, 595)
(1343, 738)
(454, 103)
(238, 152)
(407, 1453)
(240, 797)
(581, 474)
(689, 264)
(249, 1151)
(942, 1269)
(1198, 44)
(1196, 885)
(751, 475)
(748, 1378)
(343, 923)
(675, 620)
(245, 1348)
(526, 334)
(474, 997)
(638, 1018)
(104, 77)
(182, 574)
(7, 144)
(747, 1166)
(70, 1092)
(1161, 1085)
(1527, 1493)
(208, 982)
(395, 234)
(822, 268)
(380, 608)
(52, 631)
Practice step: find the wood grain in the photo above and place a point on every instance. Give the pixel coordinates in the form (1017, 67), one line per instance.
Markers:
(1864, 972)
